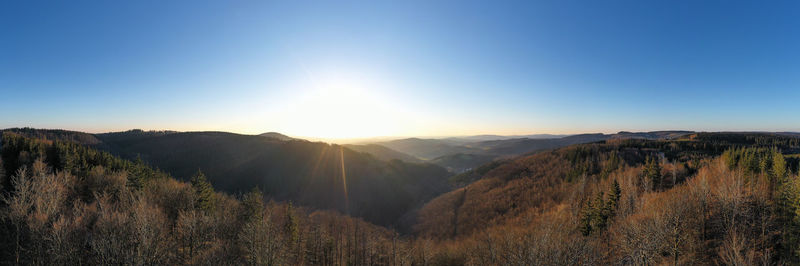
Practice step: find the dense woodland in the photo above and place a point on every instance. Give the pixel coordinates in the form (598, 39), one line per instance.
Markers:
(705, 198)
(311, 174)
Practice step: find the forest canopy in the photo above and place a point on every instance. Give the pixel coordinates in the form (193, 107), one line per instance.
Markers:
(699, 199)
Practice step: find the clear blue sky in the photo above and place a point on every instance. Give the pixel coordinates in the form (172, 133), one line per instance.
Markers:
(354, 69)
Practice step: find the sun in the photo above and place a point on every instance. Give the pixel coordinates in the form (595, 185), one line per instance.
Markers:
(344, 106)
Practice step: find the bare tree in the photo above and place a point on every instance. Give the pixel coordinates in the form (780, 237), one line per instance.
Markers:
(260, 242)
(734, 250)
(112, 237)
(151, 234)
(19, 204)
(193, 234)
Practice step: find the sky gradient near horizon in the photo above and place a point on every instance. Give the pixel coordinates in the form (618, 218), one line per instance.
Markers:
(344, 69)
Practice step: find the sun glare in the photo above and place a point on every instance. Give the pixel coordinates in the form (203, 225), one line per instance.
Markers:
(339, 106)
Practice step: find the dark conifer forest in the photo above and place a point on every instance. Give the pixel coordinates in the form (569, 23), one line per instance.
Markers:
(702, 198)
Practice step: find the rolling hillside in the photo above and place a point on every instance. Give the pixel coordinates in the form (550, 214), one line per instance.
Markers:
(505, 191)
(678, 200)
(383, 153)
(427, 149)
(464, 153)
(312, 174)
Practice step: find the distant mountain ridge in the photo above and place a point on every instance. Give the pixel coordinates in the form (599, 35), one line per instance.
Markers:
(383, 153)
(278, 136)
(478, 138)
(459, 154)
(427, 149)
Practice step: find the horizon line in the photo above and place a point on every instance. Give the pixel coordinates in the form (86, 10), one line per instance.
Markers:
(315, 138)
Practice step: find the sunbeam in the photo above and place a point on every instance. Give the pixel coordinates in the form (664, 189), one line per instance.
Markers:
(344, 181)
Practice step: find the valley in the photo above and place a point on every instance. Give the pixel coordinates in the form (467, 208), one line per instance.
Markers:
(566, 205)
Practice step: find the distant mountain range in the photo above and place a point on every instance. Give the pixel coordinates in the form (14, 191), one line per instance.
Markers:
(459, 154)
(383, 153)
(456, 154)
(478, 138)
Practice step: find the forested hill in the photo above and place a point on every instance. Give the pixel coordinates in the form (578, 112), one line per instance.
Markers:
(67, 204)
(704, 198)
(695, 199)
(383, 153)
(312, 174)
(465, 153)
(309, 173)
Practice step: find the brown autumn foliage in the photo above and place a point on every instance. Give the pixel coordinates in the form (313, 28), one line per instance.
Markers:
(532, 184)
(51, 223)
(531, 211)
(716, 215)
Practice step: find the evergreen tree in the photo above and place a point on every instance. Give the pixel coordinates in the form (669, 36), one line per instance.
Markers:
(751, 162)
(597, 212)
(136, 176)
(731, 158)
(778, 165)
(253, 203)
(586, 218)
(66, 156)
(614, 195)
(613, 163)
(599, 217)
(290, 227)
(789, 215)
(2, 174)
(765, 163)
(614, 160)
(652, 171)
(203, 191)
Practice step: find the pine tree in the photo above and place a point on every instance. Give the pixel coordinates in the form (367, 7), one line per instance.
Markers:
(789, 214)
(614, 161)
(778, 165)
(203, 191)
(291, 232)
(731, 158)
(596, 213)
(290, 227)
(599, 217)
(586, 218)
(614, 195)
(2, 174)
(765, 164)
(253, 203)
(136, 176)
(751, 162)
(66, 157)
(652, 171)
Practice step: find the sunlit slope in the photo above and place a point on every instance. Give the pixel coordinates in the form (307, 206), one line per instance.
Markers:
(507, 191)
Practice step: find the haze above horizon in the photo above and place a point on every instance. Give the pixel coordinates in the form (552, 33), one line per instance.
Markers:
(344, 70)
